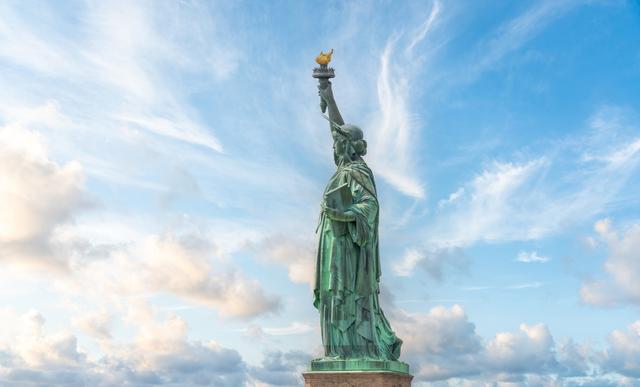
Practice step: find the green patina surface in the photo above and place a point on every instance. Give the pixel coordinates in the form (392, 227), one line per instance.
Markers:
(356, 334)
(359, 365)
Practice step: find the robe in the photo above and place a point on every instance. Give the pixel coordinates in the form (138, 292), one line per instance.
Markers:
(348, 275)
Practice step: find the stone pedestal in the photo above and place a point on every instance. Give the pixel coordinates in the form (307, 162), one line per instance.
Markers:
(356, 379)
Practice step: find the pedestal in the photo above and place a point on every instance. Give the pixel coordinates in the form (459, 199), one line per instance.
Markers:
(357, 373)
(356, 379)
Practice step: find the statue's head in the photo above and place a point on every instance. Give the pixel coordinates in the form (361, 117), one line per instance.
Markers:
(352, 145)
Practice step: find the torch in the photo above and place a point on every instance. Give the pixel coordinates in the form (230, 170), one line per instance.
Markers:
(323, 73)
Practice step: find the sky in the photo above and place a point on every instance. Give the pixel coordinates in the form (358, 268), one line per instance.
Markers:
(162, 165)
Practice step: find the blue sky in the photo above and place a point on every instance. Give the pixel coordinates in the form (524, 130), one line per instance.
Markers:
(162, 165)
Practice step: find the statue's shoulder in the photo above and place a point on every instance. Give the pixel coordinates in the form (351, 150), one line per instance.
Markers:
(358, 166)
(361, 173)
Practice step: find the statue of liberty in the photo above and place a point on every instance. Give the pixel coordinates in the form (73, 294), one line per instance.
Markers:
(348, 261)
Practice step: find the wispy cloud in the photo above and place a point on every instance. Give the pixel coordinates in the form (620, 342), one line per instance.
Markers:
(521, 201)
(123, 53)
(435, 262)
(513, 35)
(529, 200)
(476, 288)
(396, 129)
(295, 328)
(394, 132)
(421, 33)
(528, 257)
(526, 285)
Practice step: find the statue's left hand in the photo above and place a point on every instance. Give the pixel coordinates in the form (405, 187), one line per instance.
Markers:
(332, 213)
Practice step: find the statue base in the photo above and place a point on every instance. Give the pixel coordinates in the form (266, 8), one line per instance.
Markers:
(359, 365)
(357, 373)
(356, 379)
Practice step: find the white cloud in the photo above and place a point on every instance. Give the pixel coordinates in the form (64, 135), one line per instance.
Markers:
(395, 130)
(603, 227)
(297, 255)
(526, 285)
(174, 266)
(295, 328)
(131, 54)
(37, 198)
(452, 198)
(490, 207)
(514, 34)
(623, 354)
(443, 345)
(40, 200)
(532, 256)
(622, 267)
(30, 50)
(159, 353)
(282, 369)
(521, 201)
(186, 266)
(32, 355)
(424, 29)
(529, 350)
(435, 262)
(96, 324)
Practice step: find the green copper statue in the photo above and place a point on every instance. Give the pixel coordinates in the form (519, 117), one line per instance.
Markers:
(348, 262)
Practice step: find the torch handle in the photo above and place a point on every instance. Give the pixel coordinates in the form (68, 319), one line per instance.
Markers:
(323, 83)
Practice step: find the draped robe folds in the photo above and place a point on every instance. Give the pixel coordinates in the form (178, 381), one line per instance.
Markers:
(348, 274)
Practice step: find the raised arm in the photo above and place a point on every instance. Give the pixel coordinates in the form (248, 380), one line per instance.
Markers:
(326, 93)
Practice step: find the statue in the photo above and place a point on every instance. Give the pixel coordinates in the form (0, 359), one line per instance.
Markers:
(348, 261)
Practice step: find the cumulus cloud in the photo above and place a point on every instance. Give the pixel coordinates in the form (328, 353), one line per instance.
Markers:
(37, 197)
(39, 201)
(443, 345)
(297, 255)
(160, 353)
(282, 368)
(623, 354)
(622, 267)
(33, 356)
(181, 268)
(96, 324)
(184, 265)
(529, 350)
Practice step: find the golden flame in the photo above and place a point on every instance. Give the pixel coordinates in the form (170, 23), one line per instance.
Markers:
(324, 58)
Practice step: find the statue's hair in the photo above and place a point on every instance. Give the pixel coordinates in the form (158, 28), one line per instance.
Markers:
(356, 140)
(360, 146)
